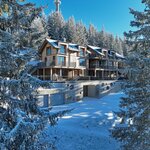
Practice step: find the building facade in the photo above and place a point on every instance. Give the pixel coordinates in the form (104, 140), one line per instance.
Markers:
(104, 64)
(61, 60)
(67, 61)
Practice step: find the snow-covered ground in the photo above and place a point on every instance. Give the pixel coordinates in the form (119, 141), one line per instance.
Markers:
(87, 126)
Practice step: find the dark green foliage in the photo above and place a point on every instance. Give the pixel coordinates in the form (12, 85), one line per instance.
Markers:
(76, 32)
(21, 120)
(134, 130)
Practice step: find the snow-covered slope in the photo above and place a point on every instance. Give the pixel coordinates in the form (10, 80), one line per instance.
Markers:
(87, 126)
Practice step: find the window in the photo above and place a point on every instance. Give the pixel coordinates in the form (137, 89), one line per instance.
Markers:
(62, 49)
(61, 60)
(81, 52)
(45, 59)
(82, 62)
(48, 51)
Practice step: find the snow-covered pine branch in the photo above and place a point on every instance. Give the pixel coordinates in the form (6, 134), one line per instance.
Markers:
(21, 120)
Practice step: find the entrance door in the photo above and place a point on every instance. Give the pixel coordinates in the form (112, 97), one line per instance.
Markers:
(85, 91)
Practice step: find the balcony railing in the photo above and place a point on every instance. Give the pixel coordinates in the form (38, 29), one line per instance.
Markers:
(72, 64)
(108, 67)
(61, 64)
(93, 56)
(94, 66)
(102, 66)
(50, 63)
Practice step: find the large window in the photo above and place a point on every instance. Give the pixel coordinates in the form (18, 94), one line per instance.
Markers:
(82, 62)
(62, 49)
(61, 60)
(81, 52)
(48, 51)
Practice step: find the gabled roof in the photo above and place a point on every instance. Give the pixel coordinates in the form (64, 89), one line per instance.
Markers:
(111, 52)
(96, 49)
(73, 47)
(53, 43)
(119, 56)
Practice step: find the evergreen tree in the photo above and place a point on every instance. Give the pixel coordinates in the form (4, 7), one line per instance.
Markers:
(134, 132)
(70, 30)
(55, 25)
(39, 27)
(103, 39)
(81, 34)
(125, 47)
(21, 120)
(92, 35)
(118, 45)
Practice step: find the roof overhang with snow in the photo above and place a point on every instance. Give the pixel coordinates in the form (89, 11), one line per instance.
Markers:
(119, 56)
(96, 50)
(73, 47)
(53, 43)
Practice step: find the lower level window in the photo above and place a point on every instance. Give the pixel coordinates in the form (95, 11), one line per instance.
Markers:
(82, 62)
(61, 60)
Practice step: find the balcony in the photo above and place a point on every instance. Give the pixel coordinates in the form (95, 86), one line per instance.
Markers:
(108, 67)
(62, 64)
(102, 66)
(92, 56)
(94, 66)
(72, 64)
(50, 63)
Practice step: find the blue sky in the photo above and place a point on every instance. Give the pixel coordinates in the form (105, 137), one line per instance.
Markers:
(113, 15)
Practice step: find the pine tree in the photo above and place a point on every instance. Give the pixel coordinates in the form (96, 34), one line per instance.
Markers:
(125, 47)
(55, 25)
(92, 35)
(21, 120)
(118, 45)
(70, 30)
(39, 29)
(103, 39)
(134, 132)
(81, 34)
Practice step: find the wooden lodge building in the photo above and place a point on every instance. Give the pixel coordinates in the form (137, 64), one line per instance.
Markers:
(67, 61)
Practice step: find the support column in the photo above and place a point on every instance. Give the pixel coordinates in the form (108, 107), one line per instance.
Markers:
(72, 73)
(43, 74)
(51, 73)
(95, 73)
(109, 74)
(117, 74)
(60, 73)
(102, 74)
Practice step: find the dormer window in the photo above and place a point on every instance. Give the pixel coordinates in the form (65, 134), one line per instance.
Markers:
(48, 51)
(62, 49)
(82, 52)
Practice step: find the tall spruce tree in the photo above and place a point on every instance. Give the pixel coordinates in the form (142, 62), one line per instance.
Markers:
(134, 132)
(39, 27)
(69, 30)
(21, 120)
(81, 34)
(92, 35)
(55, 25)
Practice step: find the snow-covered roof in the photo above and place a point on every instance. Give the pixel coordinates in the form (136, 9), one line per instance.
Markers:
(73, 47)
(119, 56)
(96, 49)
(111, 52)
(88, 51)
(53, 43)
